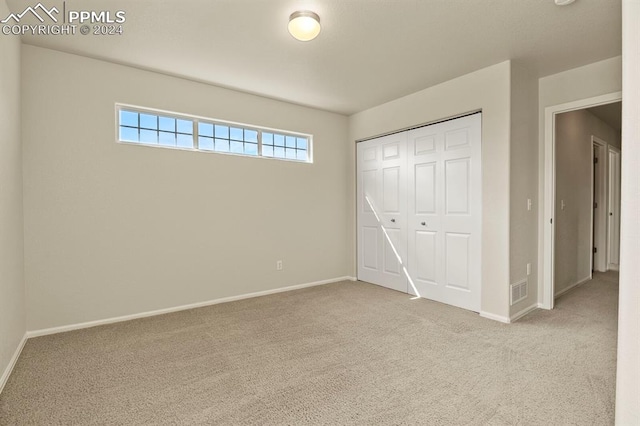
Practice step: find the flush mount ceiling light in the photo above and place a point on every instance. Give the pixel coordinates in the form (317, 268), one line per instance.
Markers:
(563, 2)
(304, 25)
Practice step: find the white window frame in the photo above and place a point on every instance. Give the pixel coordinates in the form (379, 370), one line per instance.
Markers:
(195, 119)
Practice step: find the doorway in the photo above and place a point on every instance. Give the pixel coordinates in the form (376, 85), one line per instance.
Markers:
(575, 218)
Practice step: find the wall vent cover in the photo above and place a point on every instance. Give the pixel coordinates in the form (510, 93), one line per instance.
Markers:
(518, 291)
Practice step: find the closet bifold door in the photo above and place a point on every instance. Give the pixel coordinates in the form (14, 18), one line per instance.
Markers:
(419, 211)
(444, 211)
(381, 211)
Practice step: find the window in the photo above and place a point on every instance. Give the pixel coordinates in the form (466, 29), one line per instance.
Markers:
(155, 129)
(284, 146)
(147, 127)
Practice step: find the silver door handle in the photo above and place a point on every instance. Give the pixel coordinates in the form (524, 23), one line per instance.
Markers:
(393, 220)
(423, 223)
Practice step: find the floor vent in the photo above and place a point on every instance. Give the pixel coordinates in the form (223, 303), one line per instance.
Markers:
(518, 291)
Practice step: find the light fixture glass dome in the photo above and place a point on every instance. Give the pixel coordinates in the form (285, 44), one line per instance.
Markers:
(304, 25)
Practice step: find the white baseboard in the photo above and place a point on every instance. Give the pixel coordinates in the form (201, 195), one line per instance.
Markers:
(12, 363)
(572, 286)
(495, 317)
(70, 327)
(515, 317)
(613, 267)
(512, 318)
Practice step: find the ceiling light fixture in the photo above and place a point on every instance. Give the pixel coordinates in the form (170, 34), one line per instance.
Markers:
(563, 2)
(304, 25)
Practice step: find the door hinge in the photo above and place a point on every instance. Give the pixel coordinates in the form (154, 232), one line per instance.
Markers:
(595, 249)
(595, 205)
(595, 160)
(551, 221)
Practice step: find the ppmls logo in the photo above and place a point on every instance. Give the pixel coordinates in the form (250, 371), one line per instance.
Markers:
(101, 22)
(34, 11)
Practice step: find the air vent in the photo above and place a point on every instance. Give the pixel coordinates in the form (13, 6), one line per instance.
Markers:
(518, 291)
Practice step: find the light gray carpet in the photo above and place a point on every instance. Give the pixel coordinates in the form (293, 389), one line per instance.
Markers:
(345, 353)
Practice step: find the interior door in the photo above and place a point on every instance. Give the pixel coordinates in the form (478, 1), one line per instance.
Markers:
(381, 204)
(613, 222)
(594, 206)
(444, 211)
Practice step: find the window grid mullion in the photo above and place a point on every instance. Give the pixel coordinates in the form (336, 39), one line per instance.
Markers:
(196, 138)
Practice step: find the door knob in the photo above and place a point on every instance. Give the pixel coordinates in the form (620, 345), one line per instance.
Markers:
(423, 223)
(393, 220)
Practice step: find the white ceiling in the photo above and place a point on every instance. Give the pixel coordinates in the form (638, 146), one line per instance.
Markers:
(369, 51)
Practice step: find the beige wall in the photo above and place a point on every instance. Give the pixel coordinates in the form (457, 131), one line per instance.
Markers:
(573, 185)
(489, 90)
(114, 229)
(628, 378)
(12, 305)
(523, 223)
(591, 80)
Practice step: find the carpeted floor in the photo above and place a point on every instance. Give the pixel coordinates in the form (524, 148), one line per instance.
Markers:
(345, 353)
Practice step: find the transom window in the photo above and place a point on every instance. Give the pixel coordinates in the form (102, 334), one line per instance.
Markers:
(148, 127)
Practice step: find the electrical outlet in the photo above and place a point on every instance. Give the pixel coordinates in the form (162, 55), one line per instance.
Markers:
(528, 269)
(279, 265)
(529, 204)
(562, 205)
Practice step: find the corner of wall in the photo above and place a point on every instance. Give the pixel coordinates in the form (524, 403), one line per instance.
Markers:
(12, 287)
(352, 266)
(523, 220)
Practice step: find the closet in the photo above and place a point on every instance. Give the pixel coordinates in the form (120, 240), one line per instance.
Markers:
(419, 211)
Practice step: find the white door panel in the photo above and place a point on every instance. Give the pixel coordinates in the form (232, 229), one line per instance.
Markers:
(456, 183)
(457, 260)
(391, 264)
(370, 248)
(425, 244)
(425, 188)
(391, 190)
